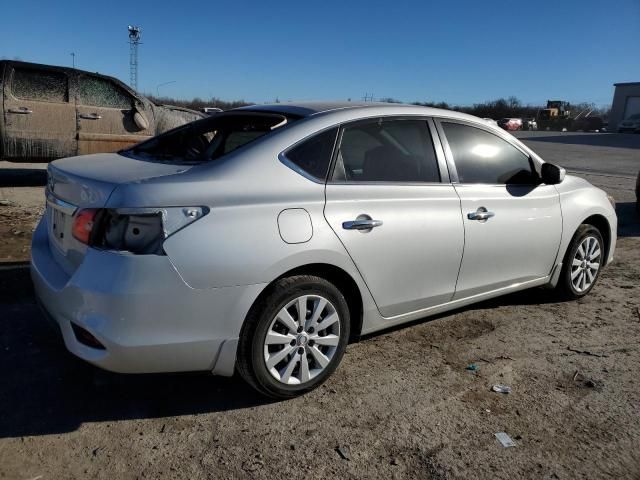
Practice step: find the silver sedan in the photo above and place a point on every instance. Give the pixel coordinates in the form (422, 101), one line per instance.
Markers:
(262, 240)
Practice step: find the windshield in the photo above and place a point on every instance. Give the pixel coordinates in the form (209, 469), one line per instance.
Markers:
(210, 138)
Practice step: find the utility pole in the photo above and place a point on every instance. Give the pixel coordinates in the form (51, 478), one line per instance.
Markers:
(73, 59)
(135, 34)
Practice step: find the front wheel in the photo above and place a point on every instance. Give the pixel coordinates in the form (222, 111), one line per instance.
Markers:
(582, 263)
(294, 337)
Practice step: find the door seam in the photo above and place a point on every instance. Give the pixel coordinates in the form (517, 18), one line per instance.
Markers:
(353, 262)
(464, 243)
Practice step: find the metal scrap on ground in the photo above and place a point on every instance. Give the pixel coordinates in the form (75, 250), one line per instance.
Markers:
(501, 389)
(505, 439)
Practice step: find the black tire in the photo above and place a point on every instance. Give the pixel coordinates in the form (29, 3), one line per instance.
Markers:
(251, 348)
(565, 287)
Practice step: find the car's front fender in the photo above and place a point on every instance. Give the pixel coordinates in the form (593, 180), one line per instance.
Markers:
(580, 201)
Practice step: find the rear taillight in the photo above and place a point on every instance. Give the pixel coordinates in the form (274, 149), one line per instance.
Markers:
(83, 223)
(141, 233)
(135, 230)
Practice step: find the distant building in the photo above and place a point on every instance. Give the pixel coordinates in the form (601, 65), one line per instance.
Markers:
(626, 102)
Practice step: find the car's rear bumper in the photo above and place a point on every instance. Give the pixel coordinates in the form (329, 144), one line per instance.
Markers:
(140, 310)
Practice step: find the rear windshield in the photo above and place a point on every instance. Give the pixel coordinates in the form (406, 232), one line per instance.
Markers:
(208, 139)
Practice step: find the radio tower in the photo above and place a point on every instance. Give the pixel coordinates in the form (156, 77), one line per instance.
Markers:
(135, 33)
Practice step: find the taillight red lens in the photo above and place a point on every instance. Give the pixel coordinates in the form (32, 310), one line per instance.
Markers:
(83, 224)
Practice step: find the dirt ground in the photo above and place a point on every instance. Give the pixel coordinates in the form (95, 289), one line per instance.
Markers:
(21, 205)
(401, 405)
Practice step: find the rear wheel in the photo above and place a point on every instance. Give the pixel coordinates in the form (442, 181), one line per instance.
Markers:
(294, 337)
(582, 263)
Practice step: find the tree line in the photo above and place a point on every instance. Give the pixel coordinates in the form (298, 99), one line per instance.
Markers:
(198, 103)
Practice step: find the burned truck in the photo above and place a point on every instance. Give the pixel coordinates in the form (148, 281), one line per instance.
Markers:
(51, 112)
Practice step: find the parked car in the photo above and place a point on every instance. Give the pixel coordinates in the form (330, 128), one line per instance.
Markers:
(510, 123)
(630, 125)
(261, 240)
(52, 112)
(529, 124)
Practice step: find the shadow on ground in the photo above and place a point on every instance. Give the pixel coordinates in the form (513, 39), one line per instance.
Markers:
(616, 140)
(46, 390)
(22, 177)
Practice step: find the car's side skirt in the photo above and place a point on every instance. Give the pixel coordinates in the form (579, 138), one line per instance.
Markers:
(383, 323)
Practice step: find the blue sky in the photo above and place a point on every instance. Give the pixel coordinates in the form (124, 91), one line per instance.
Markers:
(460, 52)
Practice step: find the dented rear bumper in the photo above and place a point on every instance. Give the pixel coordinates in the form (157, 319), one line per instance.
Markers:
(140, 310)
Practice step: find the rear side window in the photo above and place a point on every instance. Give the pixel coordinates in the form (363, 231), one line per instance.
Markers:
(482, 157)
(99, 92)
(399, 151)
(42, 85)
(313, 155)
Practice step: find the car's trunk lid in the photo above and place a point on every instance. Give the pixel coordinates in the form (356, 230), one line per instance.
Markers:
(87, 182)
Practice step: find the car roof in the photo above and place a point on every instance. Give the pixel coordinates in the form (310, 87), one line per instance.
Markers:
(308, 109)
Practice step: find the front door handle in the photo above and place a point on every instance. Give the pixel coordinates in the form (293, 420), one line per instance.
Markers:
(21, 111)
(481, 214)
(361, 224)
(91, 116)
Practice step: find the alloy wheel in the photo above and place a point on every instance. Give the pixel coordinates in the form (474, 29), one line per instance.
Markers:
(585, 264)
(302, 339)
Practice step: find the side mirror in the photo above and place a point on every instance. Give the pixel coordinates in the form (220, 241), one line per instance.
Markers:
(552, 174)
(140, 119)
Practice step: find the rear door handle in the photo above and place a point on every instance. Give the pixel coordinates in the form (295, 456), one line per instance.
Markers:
(91, 116)
(361, 224)
(482, 214)
(21, 111)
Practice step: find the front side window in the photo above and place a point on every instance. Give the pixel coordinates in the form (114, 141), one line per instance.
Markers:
(399, 151)
(42, 85)
(482, 157)
(208, 139)
(313, 155)
(99, 92)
